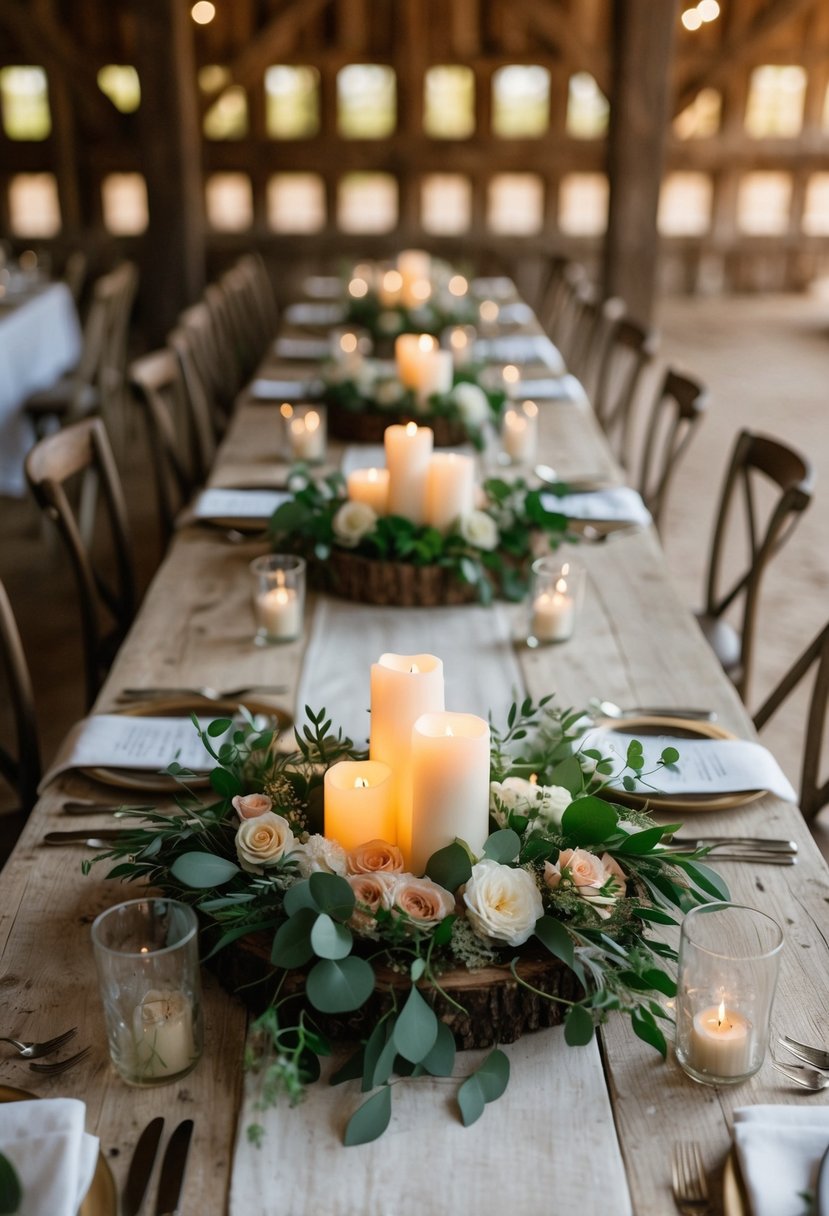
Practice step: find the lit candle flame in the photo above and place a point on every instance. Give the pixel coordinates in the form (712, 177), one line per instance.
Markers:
(561, 585)
(411, 428)
(721, 1013)
(280, 578)
(414, 669)
(533, 778)
(312, 421)
(286, 410)
(426, 342)
(348, 343)
(449, 731)
(372, 475)
(360, 783)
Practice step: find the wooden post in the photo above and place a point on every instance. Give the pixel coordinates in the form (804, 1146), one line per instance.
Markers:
(639, 117)
(170, 136)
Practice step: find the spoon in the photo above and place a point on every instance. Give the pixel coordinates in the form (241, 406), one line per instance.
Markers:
(611, 710)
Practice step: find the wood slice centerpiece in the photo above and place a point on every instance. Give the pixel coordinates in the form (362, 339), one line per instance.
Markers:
(496, 1008)
(369, 426)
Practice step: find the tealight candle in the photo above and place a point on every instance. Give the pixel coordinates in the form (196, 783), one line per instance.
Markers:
(450, 489)
(359, 803)
(720, 1042)
(409, 351)
(450, 787)
(348, 346)
(370, 486)
(278, 614)
(306, 434)
(278, 597)
(519, 431)
(162, 1029)
(415, 268)
(408, 450)
(554, 600)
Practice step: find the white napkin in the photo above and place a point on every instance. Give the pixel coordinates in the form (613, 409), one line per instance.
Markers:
(284, 390)
(322, 286)
(521, 348)
(53, 1156)
(218, 503)
(617, 503)
(287, 347)
(496, 287)
(561, 388)
(313, 313)
(373, 456)
(779, 1150)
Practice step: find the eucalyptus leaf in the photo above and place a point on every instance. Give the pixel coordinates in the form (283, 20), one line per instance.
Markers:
(292, 941)
(332, 895)
(450, 867)
(417, 968)
(369, 1120)
(640, 842)
(330, 939)
(493, 1075)
(588, 820)
(503, 846)
(203, 869)
(219, 726)
(416, 1028)
(339, 985)
(299, 896)
(372, 1053)
(471, 1101)
(578, 1027)
(556, 938)
(569, 774)
(646, 1029)
(350, 1070)
(441, 1059)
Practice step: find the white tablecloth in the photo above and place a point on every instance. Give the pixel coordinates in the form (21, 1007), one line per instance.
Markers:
(39, 340)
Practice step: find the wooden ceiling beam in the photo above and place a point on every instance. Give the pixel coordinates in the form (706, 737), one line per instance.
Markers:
(548, 20)
(738, 49)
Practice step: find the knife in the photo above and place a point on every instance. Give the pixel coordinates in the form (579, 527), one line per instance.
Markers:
(141, 1167)
(172, 1170)
(93, 838)
(101, 808)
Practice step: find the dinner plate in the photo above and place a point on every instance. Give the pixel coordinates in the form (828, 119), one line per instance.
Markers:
(734, 1197)
(676, 728)
(102, 1197)
(177, 707)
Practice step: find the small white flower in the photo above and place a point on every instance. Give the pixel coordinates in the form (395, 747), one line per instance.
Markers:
(502, 903)
(478, 529)
(353, 521)
(388, 392)
(319, 853)
(365, 380)
(472, 404)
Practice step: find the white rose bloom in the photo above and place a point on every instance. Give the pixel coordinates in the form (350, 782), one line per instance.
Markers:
(388, 392)
(552, 804)
(478, 529)
(546, 802)
(472, 404)
(352, 522)
(263, 841)
(319, 853)
(502, 903)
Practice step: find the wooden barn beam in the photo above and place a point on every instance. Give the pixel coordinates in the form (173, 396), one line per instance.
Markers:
(737, 49)
(548, 20)
(643, 38)
(170, 137)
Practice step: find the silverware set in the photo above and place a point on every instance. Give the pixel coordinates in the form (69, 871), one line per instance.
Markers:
(36, 1050)
(203, 691)
(759, 849)
(609, 709)
(813, 1073)
(173, 1167)
(688, 1181)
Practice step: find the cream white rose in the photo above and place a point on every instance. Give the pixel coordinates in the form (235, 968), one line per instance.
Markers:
(320, 853)
(353, 521)
(478, 529)
(502, 903)
(251, 806)
(422, 900)
(472, 403)
(262, 841)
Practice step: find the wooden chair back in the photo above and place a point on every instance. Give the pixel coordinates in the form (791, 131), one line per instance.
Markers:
(263, 301)
(756, 459)
(676, 411)
(107, 604)
(208, 352)
(20, 765)
(561, 313)
(594, 327)
(224, 328)
(74, 273)
(627, 352)
(243, 319)
(813, 794)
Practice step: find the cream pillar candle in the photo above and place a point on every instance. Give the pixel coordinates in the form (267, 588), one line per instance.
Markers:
(409, 349)
(415, 268)
(460, 340)
(519, 432)
(163, 1034)
(721, 1042)
(403, 688)
(450, 489)
(450, 787)
(435, 371)
(408, 450)
(370, 486)
(359, 803)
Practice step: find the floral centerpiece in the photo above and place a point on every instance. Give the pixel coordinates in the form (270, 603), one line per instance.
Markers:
(419, 295)
(566, 876)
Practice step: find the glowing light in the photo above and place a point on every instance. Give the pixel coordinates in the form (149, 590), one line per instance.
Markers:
(421, 289)
(511, 374)
(458, 339)
(489, 310)
(691, 19)
(530, 409)
(411, 428)
(427, 342)
(203, 12)
(709, 10)
(360, 783)
(458, 285)
(392, 281)
(721, 1012)
(348, 344)
(358, 288)
(286, 410)
(414, 669)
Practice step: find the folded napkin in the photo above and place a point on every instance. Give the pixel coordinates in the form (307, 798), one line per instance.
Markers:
(284, 390)
(561, 388)
(521, 348)
(236, 504)
(323, 286)
(617, 503)
(312, 313)
(288, 347)
(496, 287)
(53, 1156)
(779, 1149)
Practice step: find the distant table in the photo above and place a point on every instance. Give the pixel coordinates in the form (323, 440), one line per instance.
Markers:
(40, 339)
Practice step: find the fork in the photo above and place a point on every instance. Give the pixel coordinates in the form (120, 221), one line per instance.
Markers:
(688, 1181)
(59, 1066)
(33, 1051)
(815, 1056)
(807, 1078)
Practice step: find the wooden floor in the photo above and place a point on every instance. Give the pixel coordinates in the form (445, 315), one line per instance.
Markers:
(765, 360)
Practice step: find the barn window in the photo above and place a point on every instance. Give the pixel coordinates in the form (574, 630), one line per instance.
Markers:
(700, 119)
(296, 202)
(366, 101)
(775, 101)
(520, 102)
(24, 100)
(582, 204)
(367, 202)
(227, 118)
(120, 83)
(816, 206)
(446, 203)
(34, 207)
(124, 200)
(587, 108)
(229, 202)
(292, 102)
(763, 201)
(685, 204)
(515, 204)
(449, 103)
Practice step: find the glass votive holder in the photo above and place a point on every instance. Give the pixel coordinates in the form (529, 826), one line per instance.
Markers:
(278, 586)
(306, 432)
(146, 953)
(729, 958)
(519, 431)
(460, 340)
(556, 592)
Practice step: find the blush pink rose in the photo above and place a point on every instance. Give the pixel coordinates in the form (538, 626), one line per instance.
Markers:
(376, 856)
(372, 892)
(422, 900)
(251, 806)
(584, 869)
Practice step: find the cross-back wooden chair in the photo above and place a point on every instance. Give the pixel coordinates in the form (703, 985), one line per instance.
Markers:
(593, 329)
(263, 300)
(179, 430)
(756, 460)
(813, 794)
(210, 355)
(677, 409)
(627, 352)
(560, 312)
(226, 337)
(20, 763)
(107, 603)
(243, 319)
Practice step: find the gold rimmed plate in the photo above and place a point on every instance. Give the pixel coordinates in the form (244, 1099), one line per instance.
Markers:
(678, 729)
(180, 707)
(102, 1197)
(735, 1201)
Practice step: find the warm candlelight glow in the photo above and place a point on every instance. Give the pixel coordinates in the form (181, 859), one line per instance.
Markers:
(359, 803)
(458, 285)
(312, 421)
(203, 12)
(358, 288)
(348, 344)
(414, 669)
(511, 374)
(286, 410)
(421, 290)
(721, 1012)
(458, 339)
(411, 428)
(488, 311)
(427, 342)
(392, 281)
(361, 783)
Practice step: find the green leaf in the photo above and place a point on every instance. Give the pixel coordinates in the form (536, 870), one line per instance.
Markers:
(332, 895)
(578, 1027)
(416, 1028)
(339, 985)
(374, 1071)
(11, 1192)
(225, 783)
(669, 755)
(203, 869)
(660, 981)
(503, 846)
(450, 867)
(233, 935)
(640, 842)
(493, 1075)
(588, 820)
(369, 1120)
(220, 727)
(330, 939)
(705, 878)
(655, 915)
(646, 1029)
(299, 896)
(443, 934)
(471, 1101)
(292, 941)
(441, 1059)
(569, 774)
(556, 938)
(417, 968)
(351, 1070)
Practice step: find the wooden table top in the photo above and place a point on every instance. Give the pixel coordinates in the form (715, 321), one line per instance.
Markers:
(636, 643)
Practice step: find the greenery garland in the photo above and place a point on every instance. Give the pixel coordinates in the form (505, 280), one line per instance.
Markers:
(384, 322)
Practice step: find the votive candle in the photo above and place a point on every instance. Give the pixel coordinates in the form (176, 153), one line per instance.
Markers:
(370, 486)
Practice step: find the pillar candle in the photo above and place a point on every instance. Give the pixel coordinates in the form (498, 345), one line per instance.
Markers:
(408, 450)
(415, 267)
(403, 687)
(553, 614)
(409, 349)
(450, 787)
(359, 803)
(434, 374)
(306, 435)
(450, 489)
(370, 486)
